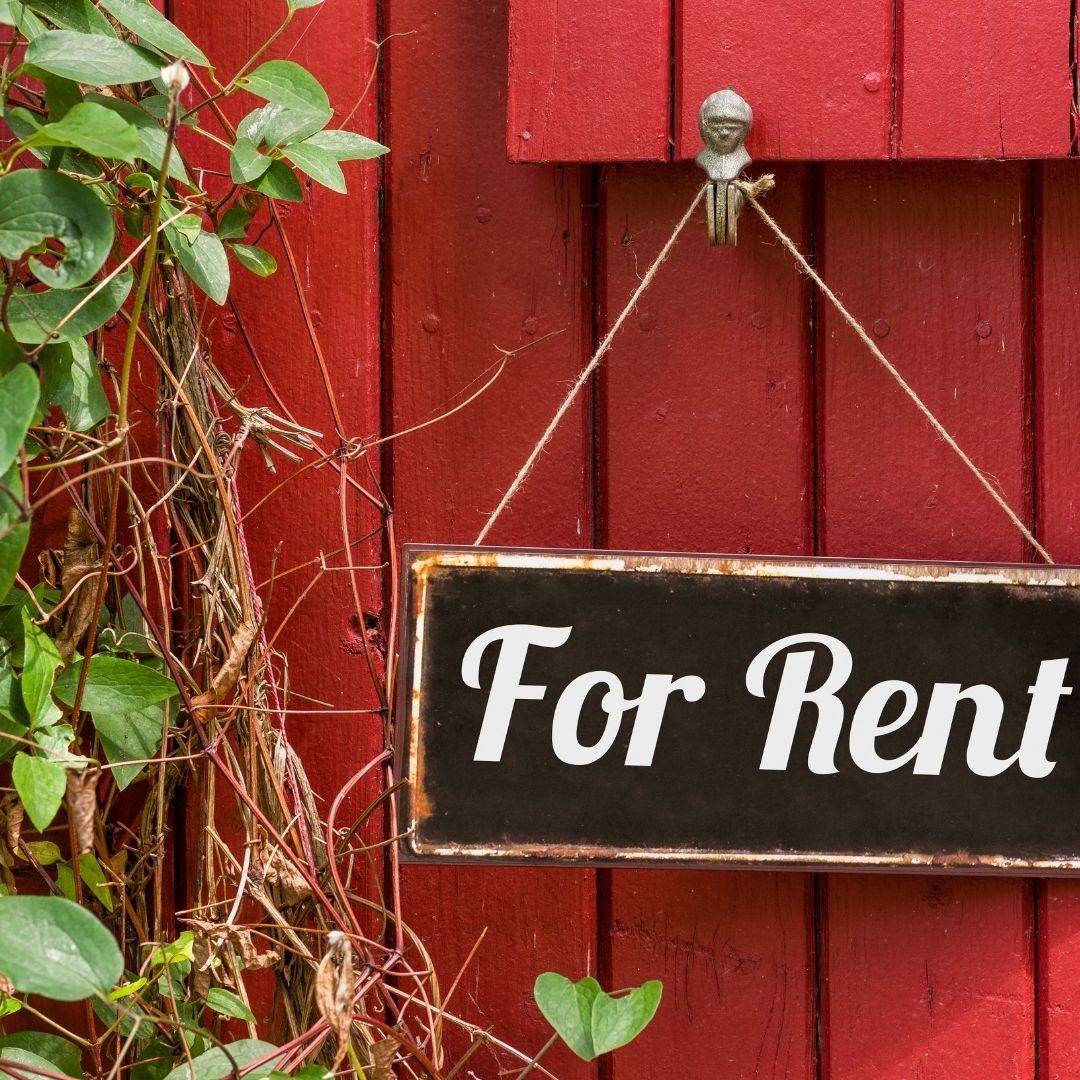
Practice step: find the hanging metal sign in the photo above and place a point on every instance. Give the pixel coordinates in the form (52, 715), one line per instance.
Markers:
(645, 709)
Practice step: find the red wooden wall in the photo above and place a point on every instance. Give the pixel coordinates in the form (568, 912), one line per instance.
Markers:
(734, 413)
(863, 79)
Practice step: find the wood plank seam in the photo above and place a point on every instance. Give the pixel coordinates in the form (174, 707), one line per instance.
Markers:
(896, 89)
(1074, 116)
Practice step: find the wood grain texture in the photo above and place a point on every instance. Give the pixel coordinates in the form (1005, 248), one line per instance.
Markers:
(704, 445)
(819, 85)
(484, 255)
(1057, 384)
(589, 82)
(926, 977)
(984, 79)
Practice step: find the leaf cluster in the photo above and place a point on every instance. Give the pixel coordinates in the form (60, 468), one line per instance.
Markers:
(106, 111)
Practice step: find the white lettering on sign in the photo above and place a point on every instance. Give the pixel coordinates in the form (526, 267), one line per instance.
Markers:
(886, 707)
(867, 722)
(507, 689)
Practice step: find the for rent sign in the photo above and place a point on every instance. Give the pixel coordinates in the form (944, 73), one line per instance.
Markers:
(611, 708)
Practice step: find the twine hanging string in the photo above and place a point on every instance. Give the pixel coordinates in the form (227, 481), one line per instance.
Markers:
(751, 190)
(767, 183)
(592, 365)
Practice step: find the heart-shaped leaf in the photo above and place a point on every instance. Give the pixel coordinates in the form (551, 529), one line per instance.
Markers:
(114, 686)
(590, 1021)
(567, 1007)
(286, 83)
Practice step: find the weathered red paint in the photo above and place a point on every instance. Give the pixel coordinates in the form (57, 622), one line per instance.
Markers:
(589, 82)
(820, 84)
(483, 256)
(866, 80)
(977, 81)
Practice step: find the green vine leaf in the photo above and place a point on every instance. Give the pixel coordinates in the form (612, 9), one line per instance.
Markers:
(78, 15)
(53, 947)
(72, 383)
(37, 205)
(92, 58)
(34, 316)
(202, 255)
(223, 1061)
(319, 164)
(61, 95)
(618, 1020)
(41, 658)
(41, 785)
(61, 1053)
(228, 1004)
(286, 83)
(274, 125)
(346, 145)
(299, 5)
(15, 13)
(154, 29)
(129, 739)
(93, 128)
(14, 535)
(234, 223)
(279, 182)
(590, 1021)
(114, 686)
(19, 395)
(93, 877)
(246, 163)
(255, 259)
(567, 1007)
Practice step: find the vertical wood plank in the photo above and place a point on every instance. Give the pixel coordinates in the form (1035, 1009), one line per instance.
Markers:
(926, 976)
(705, 434)
(483, 254)
(589, 82)
(984, 79)
(820, 85)
(1057, 374)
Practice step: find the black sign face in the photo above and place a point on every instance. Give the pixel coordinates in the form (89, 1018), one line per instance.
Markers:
(647, 709)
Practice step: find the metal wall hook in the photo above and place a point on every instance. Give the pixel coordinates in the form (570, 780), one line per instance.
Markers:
(724, 122)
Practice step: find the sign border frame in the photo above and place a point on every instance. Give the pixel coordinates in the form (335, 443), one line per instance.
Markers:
(418, 559)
